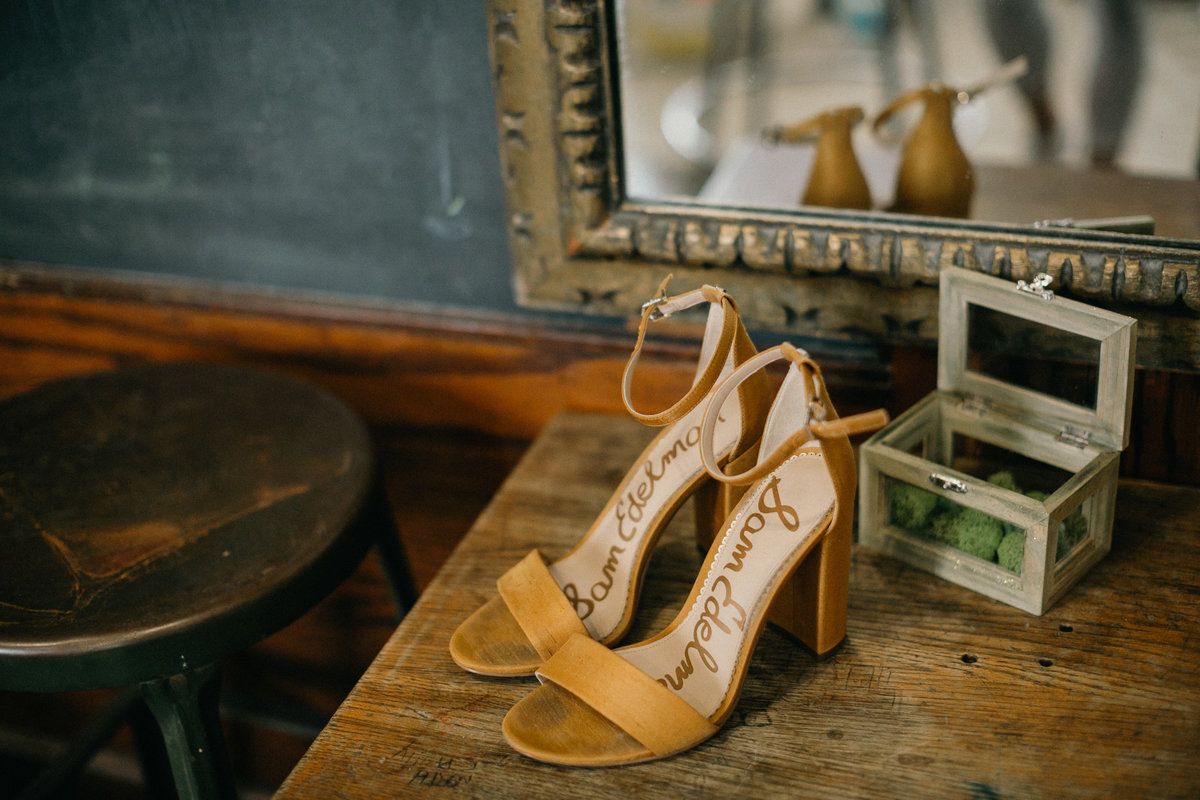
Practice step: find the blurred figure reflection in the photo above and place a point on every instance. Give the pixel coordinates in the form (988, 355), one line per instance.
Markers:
(1019, 27)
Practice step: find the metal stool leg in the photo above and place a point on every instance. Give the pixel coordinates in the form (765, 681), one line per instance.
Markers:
(390, 550)
(185, 706)
(151, 750)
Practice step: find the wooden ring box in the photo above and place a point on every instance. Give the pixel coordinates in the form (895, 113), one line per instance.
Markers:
(1032, 385)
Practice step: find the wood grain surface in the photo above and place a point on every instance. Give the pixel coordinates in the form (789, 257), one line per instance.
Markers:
(937, 692)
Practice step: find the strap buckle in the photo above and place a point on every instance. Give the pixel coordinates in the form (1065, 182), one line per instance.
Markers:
(656, 313)
(661, 306)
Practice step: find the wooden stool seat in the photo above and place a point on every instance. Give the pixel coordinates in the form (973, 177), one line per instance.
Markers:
(155, 520)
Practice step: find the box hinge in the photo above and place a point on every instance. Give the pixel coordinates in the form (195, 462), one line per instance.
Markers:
(1075, 436)
(975, 404)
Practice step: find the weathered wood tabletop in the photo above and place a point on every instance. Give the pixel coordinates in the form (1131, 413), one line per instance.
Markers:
(937, 692)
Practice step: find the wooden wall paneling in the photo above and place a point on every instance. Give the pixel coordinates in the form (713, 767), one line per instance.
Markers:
(499, 374)
(500, 377)
(1148, 439)
(495, 374)
(1180, 420)
(914, 375)
(1165, 441)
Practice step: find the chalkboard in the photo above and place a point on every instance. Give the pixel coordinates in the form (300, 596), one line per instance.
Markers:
(344, 146)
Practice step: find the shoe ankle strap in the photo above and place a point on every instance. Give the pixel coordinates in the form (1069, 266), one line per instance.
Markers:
(819, 425)
(660, 307)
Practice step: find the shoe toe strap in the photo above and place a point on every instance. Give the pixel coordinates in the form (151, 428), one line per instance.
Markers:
(539, 606)
(649, 712)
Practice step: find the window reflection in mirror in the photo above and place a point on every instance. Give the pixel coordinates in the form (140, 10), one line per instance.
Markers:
(702, 79)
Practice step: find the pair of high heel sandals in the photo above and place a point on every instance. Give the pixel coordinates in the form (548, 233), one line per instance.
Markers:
(773, 482)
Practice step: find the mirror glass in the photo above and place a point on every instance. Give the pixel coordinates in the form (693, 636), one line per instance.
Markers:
(1104, 123)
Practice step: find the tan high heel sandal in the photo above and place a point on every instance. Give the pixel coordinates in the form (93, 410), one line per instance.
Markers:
(936, 177)
(836, 179)
(593, 590)
(783, 556)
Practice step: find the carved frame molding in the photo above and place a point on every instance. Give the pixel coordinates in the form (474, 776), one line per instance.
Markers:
(578, 244)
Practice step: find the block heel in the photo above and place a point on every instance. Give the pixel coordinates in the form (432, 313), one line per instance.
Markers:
(811, 605)
(712, 503)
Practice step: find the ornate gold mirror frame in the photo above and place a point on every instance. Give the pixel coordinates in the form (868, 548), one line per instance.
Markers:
(579, 244)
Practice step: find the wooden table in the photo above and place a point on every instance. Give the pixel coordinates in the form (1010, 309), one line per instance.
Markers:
(937, 692)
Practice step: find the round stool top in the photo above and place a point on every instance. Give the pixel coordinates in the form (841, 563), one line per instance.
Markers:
(160, 518)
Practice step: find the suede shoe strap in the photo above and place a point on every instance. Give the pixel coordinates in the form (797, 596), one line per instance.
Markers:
(653, 715)
(663, 306)
(539, 606)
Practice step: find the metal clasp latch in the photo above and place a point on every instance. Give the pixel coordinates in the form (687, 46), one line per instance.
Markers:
(947, 483)
(816, 409)
(1040, 285)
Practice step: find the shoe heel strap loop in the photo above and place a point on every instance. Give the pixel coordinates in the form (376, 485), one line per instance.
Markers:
(853, 425)
(708, 424)
(816, 426)
(661, 307)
